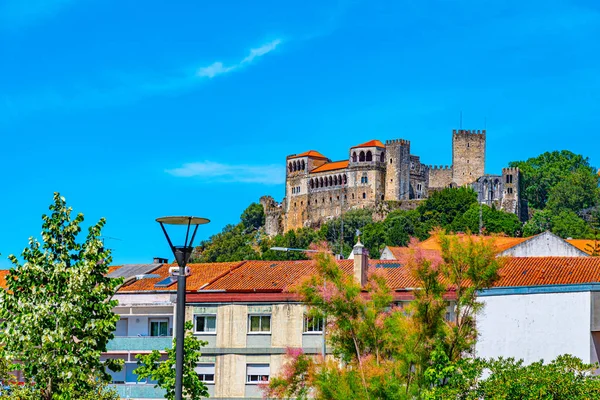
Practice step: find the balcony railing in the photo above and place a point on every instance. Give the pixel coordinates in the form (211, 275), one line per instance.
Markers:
(140, 391)
(140, 343)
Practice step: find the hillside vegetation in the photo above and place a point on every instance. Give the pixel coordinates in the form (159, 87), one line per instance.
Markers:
(561, 188)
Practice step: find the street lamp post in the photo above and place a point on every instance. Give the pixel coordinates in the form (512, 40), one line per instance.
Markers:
(182, 256)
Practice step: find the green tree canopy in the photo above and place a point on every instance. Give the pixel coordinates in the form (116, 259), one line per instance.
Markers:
(494, 221)
(56, 311)
(541, 174)
(443, 207)
(253, 217)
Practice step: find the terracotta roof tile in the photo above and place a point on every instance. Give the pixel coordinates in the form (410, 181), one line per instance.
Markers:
(332, 166)
(201, 274)
(501, 243)
(583, 244)
(370, 143)
(310, 154)
(536, 271)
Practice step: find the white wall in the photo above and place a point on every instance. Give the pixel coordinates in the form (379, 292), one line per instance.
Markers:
(535, 326)
(544, 245)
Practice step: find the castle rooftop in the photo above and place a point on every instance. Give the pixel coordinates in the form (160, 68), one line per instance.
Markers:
(310, 153)
(332, 166)
(370, 143)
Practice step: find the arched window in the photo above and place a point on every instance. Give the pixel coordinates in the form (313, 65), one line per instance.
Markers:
(340, 179)
(321, 182)
(364, 195)
(303, 165)
(361, 156)
(352, 196)
(390, 160)
(369, 156)
(382, 197)
(312, 183)
(290, 167)
(326, 182)
(353, 156)
(382, 157)
(330, 181)
(293, 190)
(295, 166)
(335, 181)
(345, 179)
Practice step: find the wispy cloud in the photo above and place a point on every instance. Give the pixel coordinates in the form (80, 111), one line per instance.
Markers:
(218, 68)
(123, 88)
(231, 173)
(23, 13)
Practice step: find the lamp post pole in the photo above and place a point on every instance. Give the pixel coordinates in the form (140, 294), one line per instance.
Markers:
(182, 256)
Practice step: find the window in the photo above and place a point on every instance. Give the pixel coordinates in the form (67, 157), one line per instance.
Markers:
(509, 179)
(313, 325)
(369, 156)
(257, 373)
(382, 157)
(390, 160)
(293, 190)
(159, 327)
(290, 167)
(419, 187)
(205, 323)
(364, 179)
(259, 323)
(354, 157)
(364, 195)
(361, 156)
(206, 372)
(509, 190)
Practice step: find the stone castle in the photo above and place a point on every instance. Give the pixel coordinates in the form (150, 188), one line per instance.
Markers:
(378, 175)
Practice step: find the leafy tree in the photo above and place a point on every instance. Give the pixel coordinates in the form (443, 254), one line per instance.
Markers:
(232, 244)
(541, 174)
(382, 351)
(577, 191)
(494, 221)
(353, 220)
(443, 207)
(253, 217)
(163, 372)
(566, 378)
(297, 239)
(401, 225)
(567, 224)
(541, 221)
(56, 312)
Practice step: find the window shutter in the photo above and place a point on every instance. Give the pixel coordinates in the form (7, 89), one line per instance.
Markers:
(258, 369)
(205, 369)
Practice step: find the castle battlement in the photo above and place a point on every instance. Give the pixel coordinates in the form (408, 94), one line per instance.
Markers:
(440, 167)
(401, 142)
(510, 170)
(468, 132)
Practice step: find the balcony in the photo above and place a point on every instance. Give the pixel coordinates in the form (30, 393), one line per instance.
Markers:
(133, 343)
(140, 391)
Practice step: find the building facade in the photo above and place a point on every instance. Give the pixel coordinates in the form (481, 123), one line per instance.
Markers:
(318, 189)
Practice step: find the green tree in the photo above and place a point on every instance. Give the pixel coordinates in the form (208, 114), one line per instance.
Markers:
(443, 207)
(232, 244)
(494, 221)
(296, 239)
(331, 231)
(151, 366)
(56, 311)
(253, 217)
(382, 351)
(567, 224)
(541, 174)
(565, 378)
(577, 191)
(401, 225)
(541, 221)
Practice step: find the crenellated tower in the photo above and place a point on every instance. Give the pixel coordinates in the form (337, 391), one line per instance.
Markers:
(397, 177)
(468, 156)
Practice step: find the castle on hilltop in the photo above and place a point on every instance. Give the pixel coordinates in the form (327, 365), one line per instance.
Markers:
(376, 175)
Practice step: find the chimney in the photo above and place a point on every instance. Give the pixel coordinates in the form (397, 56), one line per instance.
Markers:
(361, 263)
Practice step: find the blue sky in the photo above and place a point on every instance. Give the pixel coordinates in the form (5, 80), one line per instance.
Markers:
(134, 110)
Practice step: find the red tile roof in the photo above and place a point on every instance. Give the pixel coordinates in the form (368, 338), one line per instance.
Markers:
(584, 244)
(370, 143)
(536, 271)
(201, 274)
(332, 166)
(310, 154)
(501, 243)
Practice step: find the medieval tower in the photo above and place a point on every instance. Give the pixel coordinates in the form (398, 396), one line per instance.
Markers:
(468, 156)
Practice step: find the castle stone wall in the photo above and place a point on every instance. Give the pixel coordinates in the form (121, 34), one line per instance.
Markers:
(468, 156)
(439, 177)
(397, 179)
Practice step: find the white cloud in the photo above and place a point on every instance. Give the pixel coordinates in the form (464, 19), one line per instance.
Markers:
(261, 51)
(119, 89)
(231, 173)
(214, 69)
(218, 68)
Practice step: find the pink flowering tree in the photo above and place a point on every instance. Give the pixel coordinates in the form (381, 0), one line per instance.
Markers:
(381, 350)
